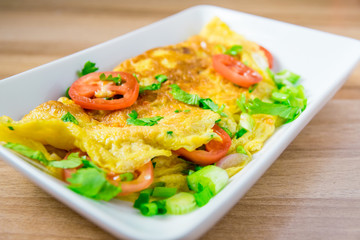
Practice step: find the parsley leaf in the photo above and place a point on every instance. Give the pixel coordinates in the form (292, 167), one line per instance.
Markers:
(170, 133)
(155, 86)
(89, 67)
(161, 78)
(116, 80)
(67, 93)
(133, 114)
(179, 94)
(68, 117)
(207, 103)
(11, 128)
(194, 99)
(234, 50)
(133, 120)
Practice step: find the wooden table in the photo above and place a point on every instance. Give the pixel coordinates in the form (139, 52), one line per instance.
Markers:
(311, 192)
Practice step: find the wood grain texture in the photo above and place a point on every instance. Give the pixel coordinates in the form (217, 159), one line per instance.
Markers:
(311, 192)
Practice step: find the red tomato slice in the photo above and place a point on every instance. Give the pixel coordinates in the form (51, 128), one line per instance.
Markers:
(215, 150)
(268, 56)
(145, 176)
(144, 180)
(84, 90)
(235, 71)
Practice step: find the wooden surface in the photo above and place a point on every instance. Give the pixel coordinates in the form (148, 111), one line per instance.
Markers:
(311, 192)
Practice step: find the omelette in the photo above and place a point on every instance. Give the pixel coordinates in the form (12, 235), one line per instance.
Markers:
(182, 104)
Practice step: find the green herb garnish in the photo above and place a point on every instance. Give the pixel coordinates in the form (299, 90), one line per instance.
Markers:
(68, 117)
(234, 50)
(116, 80)
(134, 120)
(170, 133)
(194, 99)
(89, 67)
(207, 103)
(155, 86)
(182, 96)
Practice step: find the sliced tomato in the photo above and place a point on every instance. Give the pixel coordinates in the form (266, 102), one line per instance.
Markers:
(144, 180)
(91, 93)
(235, 71)
(145, 176)
(268, 56)
(215, 149)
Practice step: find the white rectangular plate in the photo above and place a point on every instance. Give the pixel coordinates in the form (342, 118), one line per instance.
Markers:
(323, 60)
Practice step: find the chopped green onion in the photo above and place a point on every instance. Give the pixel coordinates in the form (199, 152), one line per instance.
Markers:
(186, 110)
(161, 206)
(240, 133)
(252, 87)
(203, 197)
(180, 203)
(164, 192)
(144, 197)
(227, 131)
(210, 176)
(177, 111)
(11, 128)
(286, 78)
(149, 209)
(170, 133)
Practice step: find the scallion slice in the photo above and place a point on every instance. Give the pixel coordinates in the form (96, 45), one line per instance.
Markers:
(180, 203)
(164, 192)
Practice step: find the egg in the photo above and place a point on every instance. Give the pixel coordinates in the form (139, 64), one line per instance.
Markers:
(116, 146)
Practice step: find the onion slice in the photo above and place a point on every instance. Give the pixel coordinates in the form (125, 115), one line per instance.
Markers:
(232, 160)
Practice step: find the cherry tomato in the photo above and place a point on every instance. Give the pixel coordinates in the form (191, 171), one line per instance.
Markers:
(90, 92)
(145, 176)
(268, 56)
(215, 150)
(144, 180)
(235, 71)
